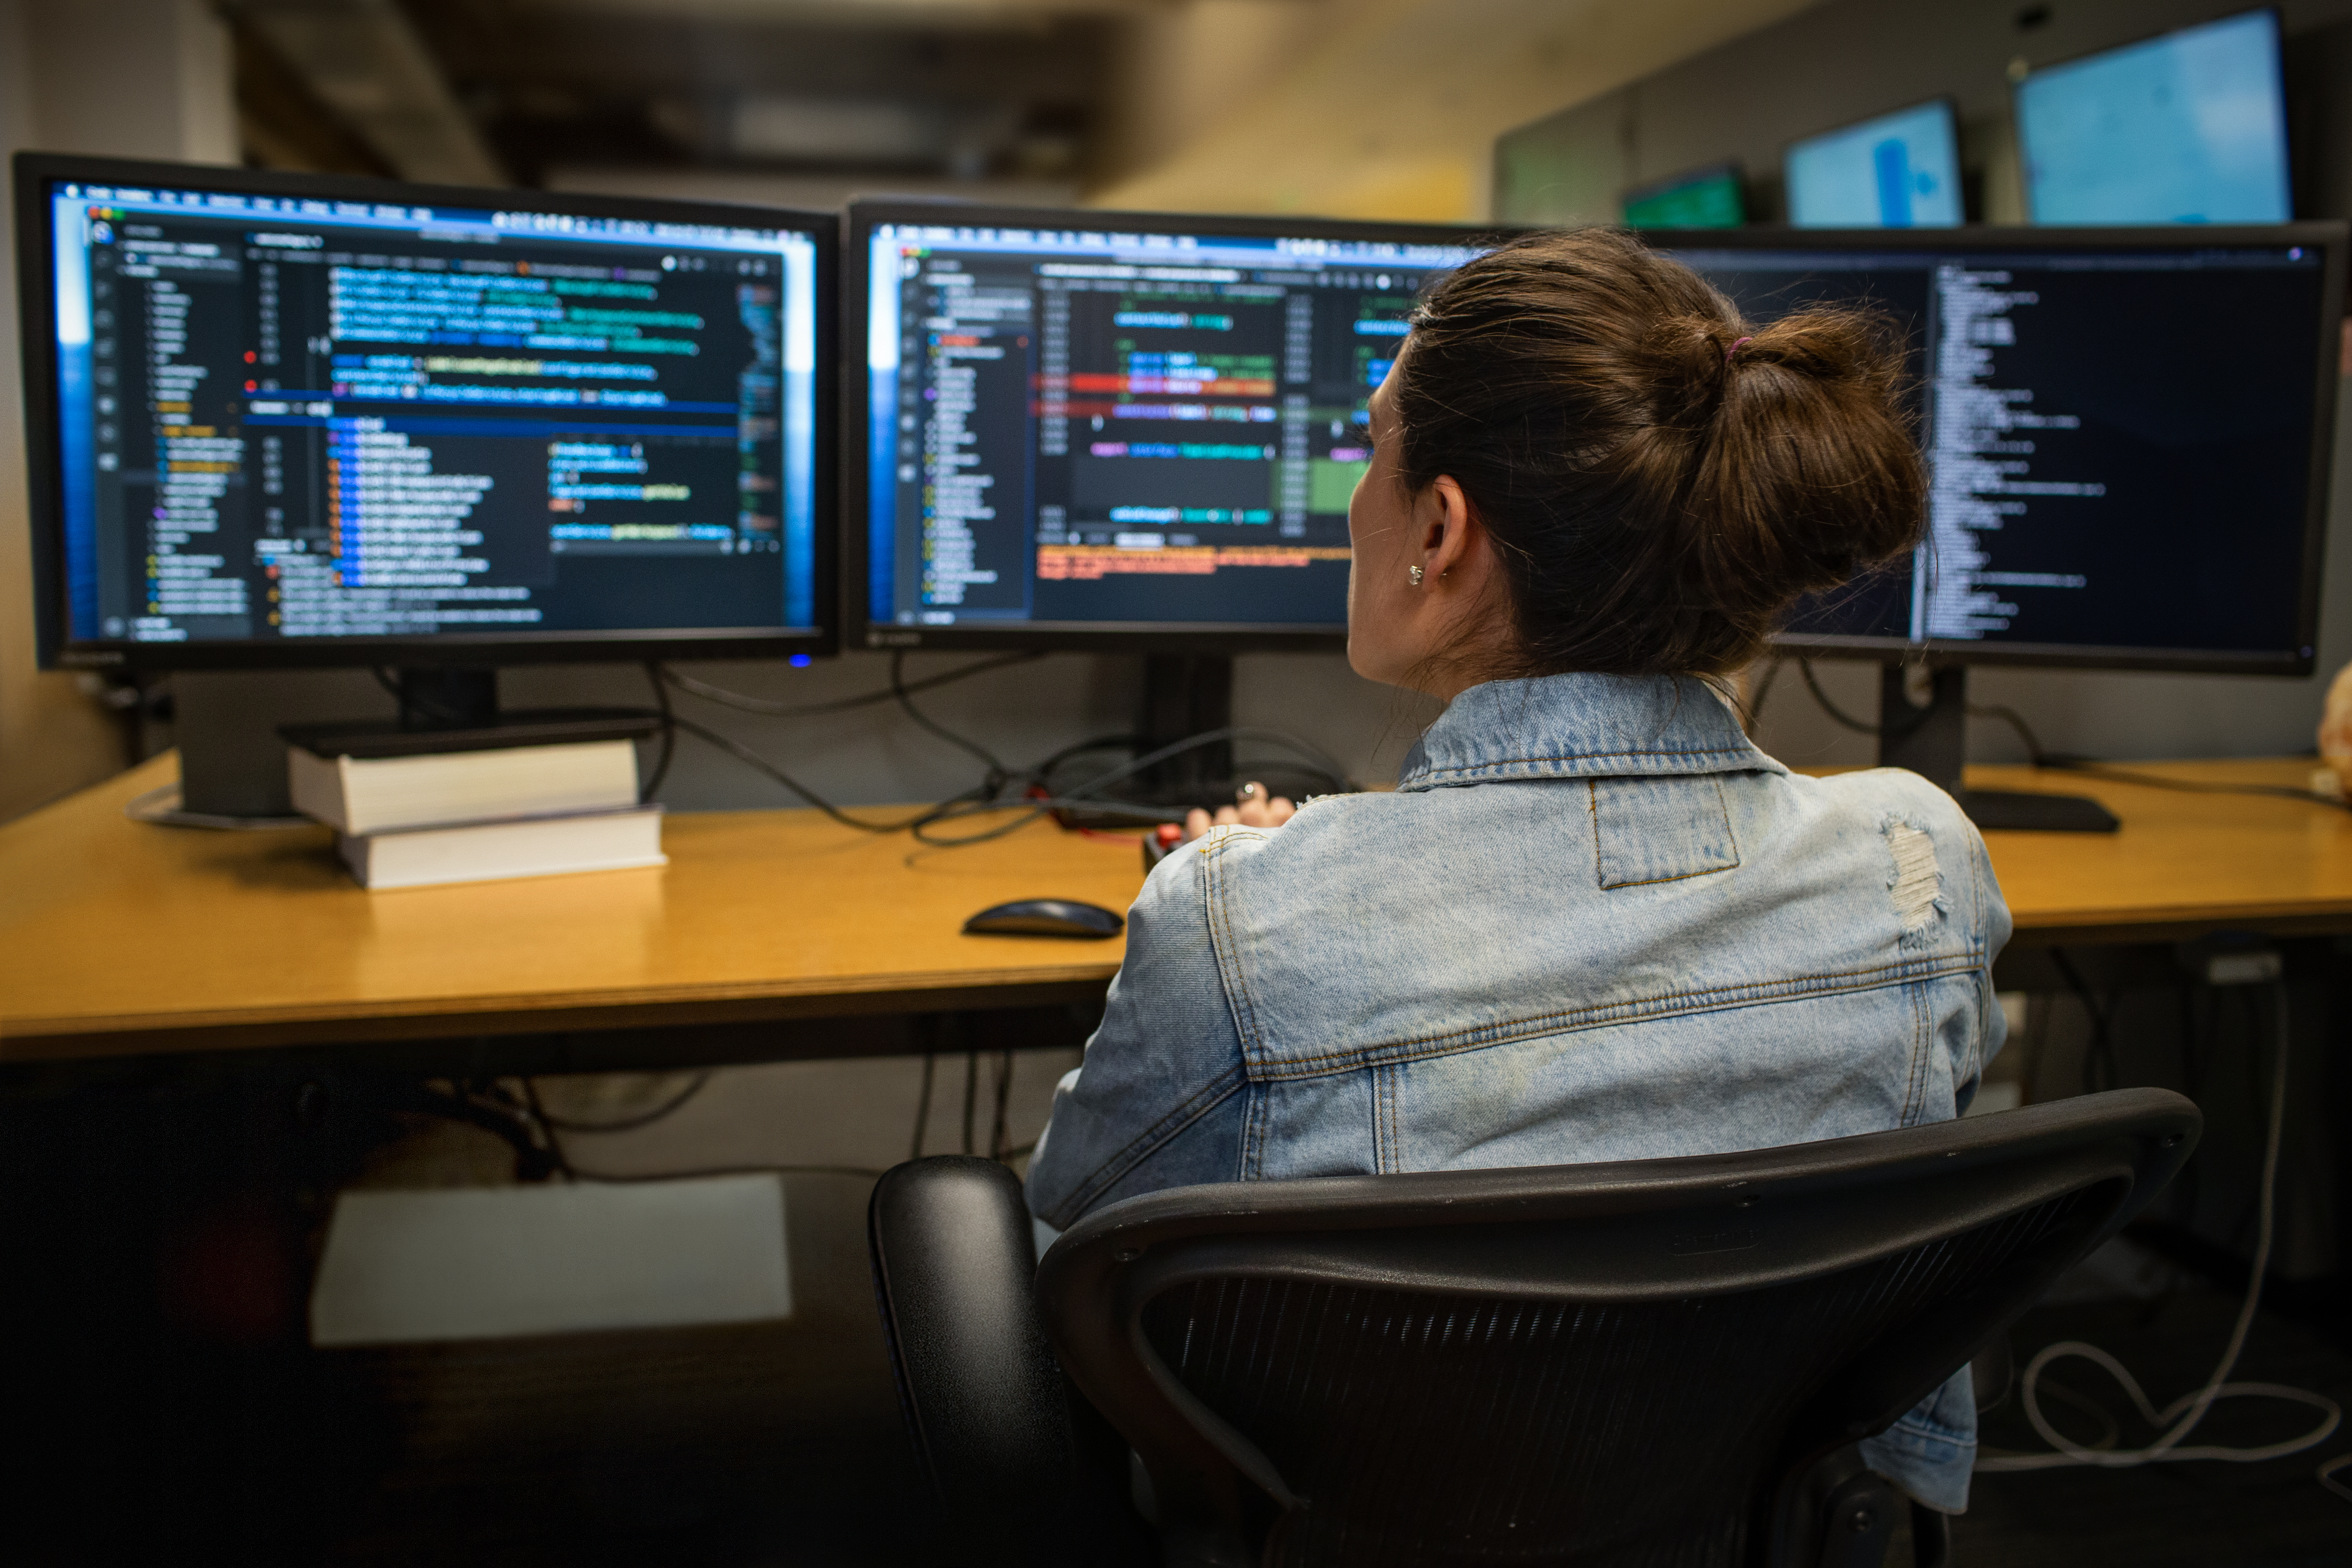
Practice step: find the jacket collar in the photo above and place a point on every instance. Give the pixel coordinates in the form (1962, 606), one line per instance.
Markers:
(1582, 726)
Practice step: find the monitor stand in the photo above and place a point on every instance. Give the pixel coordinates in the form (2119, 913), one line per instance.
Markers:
(1185, 694)
(231, 729)
(1931, 741)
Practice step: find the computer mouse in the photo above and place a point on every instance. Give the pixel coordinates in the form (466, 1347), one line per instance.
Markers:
(1046, 916)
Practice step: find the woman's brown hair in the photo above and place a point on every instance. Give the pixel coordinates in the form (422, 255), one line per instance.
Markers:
(1657, 499)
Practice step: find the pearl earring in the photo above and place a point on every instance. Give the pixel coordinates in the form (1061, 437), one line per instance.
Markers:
(1415, 573)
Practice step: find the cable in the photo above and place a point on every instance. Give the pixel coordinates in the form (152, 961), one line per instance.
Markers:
(547, 1130)
(643, 1119)
(2328, 1476)
(1755, 714)
(2182, 1415)
(749, 704)
(2058, 762)
(983, 797)
(2035, 756)
(1044, 770)
(1086, 795)
(970, 1096)
(996, 771)
(543, 1155)
(1812, 684)
(2100, 770)
(1003, 1094)
(668, 733)
(747, 755)
(923, 1107)
(2103, 1041)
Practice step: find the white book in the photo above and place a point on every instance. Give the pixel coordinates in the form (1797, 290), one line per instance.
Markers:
(361, 795)
(492, 851)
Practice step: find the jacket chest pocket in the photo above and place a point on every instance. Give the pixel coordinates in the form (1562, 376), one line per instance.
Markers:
(1660, 830)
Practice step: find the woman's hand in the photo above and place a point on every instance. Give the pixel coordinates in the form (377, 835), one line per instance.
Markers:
(1255, 808)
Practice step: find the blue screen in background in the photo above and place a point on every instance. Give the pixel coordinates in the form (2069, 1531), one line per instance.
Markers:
(2187, 128)
(1898, 171)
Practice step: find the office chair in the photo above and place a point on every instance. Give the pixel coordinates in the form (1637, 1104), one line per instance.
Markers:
(1654, 1362)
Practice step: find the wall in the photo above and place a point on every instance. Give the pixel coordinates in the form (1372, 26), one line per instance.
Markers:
(129, 79)
(1846, 60)
(1380, 108)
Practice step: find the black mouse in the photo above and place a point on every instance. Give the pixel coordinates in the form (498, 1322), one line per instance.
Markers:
(1046, 917)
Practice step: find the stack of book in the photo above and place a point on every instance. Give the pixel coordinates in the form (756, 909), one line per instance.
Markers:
(407, 818)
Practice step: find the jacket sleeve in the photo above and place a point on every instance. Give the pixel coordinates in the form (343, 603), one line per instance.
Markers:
(1157, 1101)
(1992, 1024)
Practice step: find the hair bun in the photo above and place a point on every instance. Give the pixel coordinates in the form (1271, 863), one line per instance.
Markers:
(1660, 498)
(1694, 355)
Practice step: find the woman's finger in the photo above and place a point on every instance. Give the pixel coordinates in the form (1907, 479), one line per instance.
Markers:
(1196, 823)
(1279, 810)
(1227, 815)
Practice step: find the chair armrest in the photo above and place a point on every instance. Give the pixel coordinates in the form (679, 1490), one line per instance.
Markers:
(983, 1395)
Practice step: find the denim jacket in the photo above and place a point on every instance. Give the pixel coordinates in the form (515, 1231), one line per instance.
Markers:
(1592, 922)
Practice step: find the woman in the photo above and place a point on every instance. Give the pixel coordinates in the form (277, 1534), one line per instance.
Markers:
(1594, 921)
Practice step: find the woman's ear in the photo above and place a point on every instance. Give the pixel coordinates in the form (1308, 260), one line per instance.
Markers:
(1447, 526)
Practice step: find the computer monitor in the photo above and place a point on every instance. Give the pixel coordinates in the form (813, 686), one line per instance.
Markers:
(2187, 128)
(1898, 171)
(281, 420)
(1114, 431)
(2129, 432)
(1712, 197)
(1108, 430)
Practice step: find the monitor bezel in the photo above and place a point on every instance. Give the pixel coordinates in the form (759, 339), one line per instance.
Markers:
(2017, 86)
(1951, 108)
(2330, 237)
(1139, 636)
(55, 646)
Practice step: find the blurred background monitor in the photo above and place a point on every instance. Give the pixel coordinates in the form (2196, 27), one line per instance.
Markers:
(2189, 127)
(1898, 171)
(296, 420)
(1712, 197)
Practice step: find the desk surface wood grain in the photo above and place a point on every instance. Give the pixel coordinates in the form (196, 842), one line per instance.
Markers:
(120, 937)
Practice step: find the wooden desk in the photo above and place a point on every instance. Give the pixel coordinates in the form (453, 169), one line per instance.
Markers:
(120, 939)
(2183, 864)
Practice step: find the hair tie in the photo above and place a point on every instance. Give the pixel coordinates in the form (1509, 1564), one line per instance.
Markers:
(1736, 348)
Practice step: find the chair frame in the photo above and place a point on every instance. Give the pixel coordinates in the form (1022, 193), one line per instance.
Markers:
(1626, 1232)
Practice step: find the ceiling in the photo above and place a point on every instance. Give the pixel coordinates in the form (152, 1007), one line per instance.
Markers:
(1373, 107)
(519, 89)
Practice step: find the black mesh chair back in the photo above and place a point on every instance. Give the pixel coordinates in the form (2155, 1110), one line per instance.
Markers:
(1634, 1363)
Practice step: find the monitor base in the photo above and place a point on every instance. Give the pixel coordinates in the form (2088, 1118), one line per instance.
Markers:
(2016, 811)
(1931, 741)
(499, 732)
(234, 726)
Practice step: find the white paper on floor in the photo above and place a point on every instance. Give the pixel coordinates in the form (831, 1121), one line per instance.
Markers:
(473, 1263)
